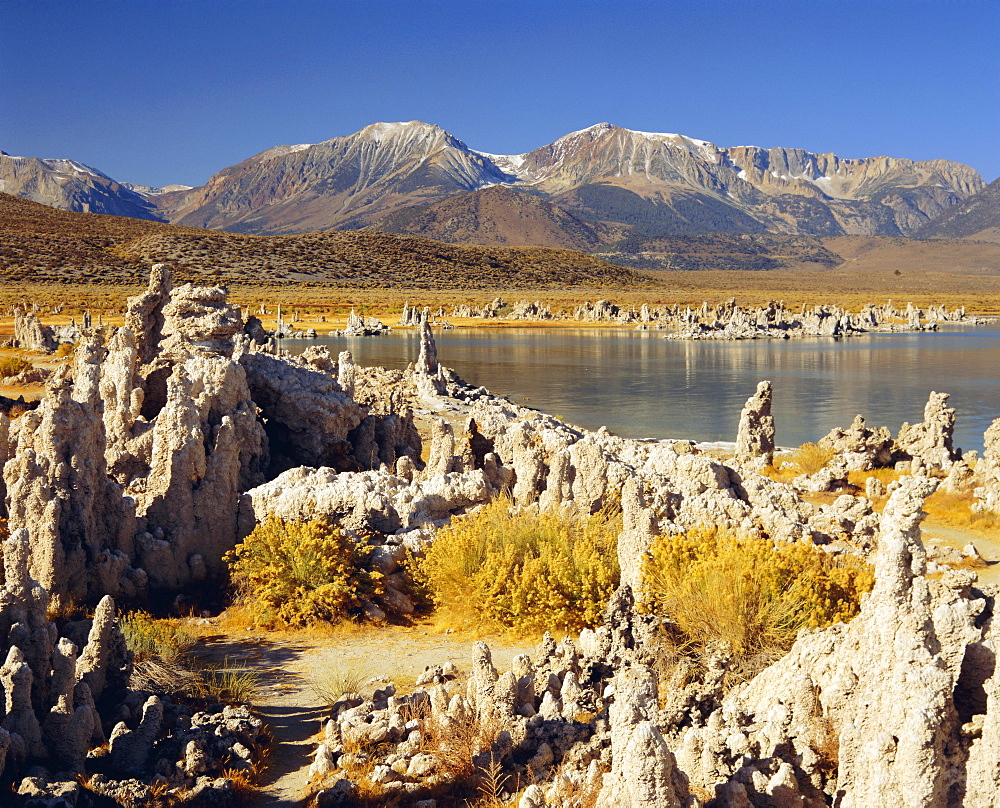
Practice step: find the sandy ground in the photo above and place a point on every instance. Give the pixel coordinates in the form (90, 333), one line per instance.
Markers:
(288, 664)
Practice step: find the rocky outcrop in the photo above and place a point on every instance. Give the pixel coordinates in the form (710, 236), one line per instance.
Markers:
(31, 335)
(643, 769)
(987, 470)
(207, 447)
(870, 711)
(199, 320)
(930, 441)
(49, 706)
(427, 372)
(755, 436)
(360, 326)
(371, 500)
(860, 448)
(5, 454)
(144, 313)
(307, 414)
(80, 523)
(57, 698)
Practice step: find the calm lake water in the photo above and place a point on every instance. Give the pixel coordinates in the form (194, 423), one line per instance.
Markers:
(640, 385)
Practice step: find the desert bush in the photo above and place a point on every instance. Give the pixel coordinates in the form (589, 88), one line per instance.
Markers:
(747, 594)
(526, 571)
(333, 682)
(151, 639)
(65, 349)
(296, 573)
(229, 683)
(12, 365)
(809, 458)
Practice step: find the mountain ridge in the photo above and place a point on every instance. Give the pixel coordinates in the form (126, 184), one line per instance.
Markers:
(604, 176)
(977, 218)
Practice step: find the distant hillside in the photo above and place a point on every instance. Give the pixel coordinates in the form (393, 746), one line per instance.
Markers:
(499, 216)
(978, 217)
(42, 244)
(722, 251)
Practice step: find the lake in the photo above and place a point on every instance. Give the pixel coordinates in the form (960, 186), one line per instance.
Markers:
(640, 385)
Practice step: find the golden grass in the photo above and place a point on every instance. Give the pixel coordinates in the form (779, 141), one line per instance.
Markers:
(885, 476)
(334, 682)
(229, 683)
(956, 509)
(807, 459)
(166, 639)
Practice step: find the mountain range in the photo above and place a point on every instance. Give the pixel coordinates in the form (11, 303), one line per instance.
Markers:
(603, 190)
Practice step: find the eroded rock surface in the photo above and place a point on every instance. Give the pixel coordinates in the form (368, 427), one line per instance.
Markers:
(755, 437)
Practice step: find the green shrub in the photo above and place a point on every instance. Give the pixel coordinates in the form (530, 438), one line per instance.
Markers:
(527, 571)
(747, 593)
(296, 573)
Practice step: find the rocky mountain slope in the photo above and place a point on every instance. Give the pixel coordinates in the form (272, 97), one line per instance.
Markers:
(500, 215)
(41, 244)
(340, 183)
(591, 187)
(661, 184)
(669, 184)
(70, 185)
(977, 218)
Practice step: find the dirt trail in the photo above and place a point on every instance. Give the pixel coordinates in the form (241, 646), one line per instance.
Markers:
(987, 543)
(289, 663)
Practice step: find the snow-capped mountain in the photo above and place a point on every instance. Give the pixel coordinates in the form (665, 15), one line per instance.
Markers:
(614, 173)
(71, 185)
(654, 183)
(342, 182)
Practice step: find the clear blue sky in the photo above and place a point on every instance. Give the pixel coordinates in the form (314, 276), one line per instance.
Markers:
(170, 91)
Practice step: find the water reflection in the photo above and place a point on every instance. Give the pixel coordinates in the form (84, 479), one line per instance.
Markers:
(640, 385)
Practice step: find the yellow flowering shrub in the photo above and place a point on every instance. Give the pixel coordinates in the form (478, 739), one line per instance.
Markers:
(296, 573)
(12, 365)
(529, 571)
(747, 592)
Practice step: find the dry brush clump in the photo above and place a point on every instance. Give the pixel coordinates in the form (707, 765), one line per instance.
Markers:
(297, 573)
(528, 570)
(747, 596)
(13, 365)
(165, 662)
(958, 508)
(809, 458)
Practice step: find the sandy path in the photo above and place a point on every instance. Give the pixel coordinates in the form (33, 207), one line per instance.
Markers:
(289, 662)
(988, 545)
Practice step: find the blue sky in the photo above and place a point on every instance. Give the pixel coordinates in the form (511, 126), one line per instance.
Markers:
(170, 91)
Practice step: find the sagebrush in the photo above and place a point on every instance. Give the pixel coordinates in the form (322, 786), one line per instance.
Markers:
(13, 365)
(150, 638)
(527, 571)
(745, 593)
(297, 573)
